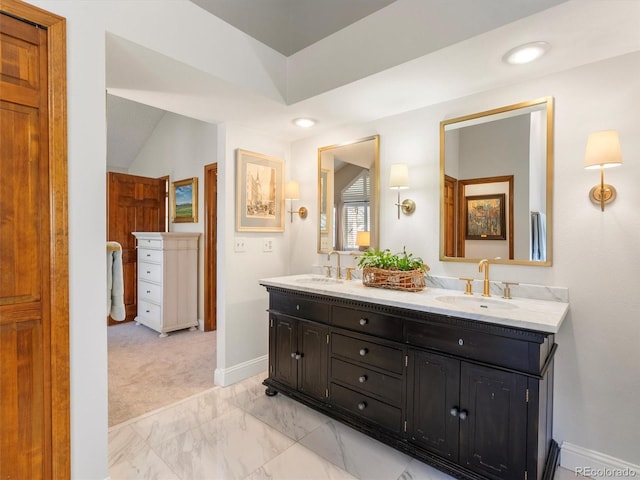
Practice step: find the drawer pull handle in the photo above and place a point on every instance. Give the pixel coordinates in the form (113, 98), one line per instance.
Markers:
(362, 378)
(363, 321)
(296, 356)
(362, 405)
(454, 412)
(363, 351)
(297, 307)
(460, 342)
(463, 414)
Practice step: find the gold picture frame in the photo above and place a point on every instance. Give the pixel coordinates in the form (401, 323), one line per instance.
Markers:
(184, 201)
(259, 192)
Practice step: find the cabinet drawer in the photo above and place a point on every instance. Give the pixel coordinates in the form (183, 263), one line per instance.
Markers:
(150, 243)
(364, 321)
(299, 307)
(503, 351)
(364, 380)
(150, 291)
(151, 313)
(150, 272)
(368, 353)
(366, 407)
(147, 255)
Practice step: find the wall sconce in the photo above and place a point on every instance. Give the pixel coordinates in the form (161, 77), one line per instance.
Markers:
(399, 179)
(292, 192)
(603, 151)
(363, 240)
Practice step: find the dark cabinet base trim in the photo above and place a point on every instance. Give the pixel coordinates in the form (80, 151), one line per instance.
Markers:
(402, 445)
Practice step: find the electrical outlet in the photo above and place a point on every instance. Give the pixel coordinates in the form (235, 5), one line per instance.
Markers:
(267, 245)
(240, 245)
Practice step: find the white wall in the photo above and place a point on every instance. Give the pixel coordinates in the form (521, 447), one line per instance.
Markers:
(595, 254)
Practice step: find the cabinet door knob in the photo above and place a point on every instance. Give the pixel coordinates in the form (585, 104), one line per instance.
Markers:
(363, 321)
(362, 378)
(296, 356)
(362, 405)
(363, 351)
(463, 414)
(454, 412)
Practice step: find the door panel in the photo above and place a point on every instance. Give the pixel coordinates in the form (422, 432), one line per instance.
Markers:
(433, 393)
(135, 204)
(312, 367)
(493, 436)
(284, 367)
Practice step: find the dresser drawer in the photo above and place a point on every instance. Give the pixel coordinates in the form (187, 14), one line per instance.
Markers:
(155, 243)
(366, 407)
(151, 313)
(151, 272)
(385, 387)
(368, 353)
(147, 255)
(484, 347)
(299, 307)
(150, 291)
(364, 321)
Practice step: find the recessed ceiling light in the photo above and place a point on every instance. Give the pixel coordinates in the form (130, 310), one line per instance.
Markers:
(526, 53)
(304, 122)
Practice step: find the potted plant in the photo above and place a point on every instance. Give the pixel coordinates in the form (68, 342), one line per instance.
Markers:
(398, 271)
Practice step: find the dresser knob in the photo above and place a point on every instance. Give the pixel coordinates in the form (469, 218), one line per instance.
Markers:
(363, 321)
(460, 342)
(362, 378)
(297, 307)
(454, 412)
(362, 405)
(363, 351)
(296, 356)
(463, 414)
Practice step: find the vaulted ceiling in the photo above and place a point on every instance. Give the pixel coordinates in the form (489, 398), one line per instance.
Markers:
(421, 52)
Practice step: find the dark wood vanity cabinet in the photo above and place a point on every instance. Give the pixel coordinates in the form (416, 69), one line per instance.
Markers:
(471, 398)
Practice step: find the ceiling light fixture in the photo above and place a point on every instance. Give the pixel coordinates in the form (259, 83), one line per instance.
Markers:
(304, 122)
(526, 53)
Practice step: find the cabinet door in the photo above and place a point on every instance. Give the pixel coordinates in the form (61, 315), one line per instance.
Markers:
(493, 434)
(433, 391)
(283, 343)
(312, 366)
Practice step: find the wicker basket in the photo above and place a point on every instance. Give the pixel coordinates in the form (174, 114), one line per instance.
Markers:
(410, 280)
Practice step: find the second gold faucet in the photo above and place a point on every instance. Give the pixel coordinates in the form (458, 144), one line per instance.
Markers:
(484, 263)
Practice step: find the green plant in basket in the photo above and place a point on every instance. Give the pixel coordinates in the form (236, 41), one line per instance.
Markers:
(386, 260)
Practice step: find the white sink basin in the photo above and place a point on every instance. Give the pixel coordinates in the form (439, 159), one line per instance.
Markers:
(318, 280)
(477, 302)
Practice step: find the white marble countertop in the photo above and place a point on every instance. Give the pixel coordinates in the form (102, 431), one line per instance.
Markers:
(539, 315)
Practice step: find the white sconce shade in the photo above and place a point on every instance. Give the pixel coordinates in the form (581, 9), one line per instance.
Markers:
(603, 151)
(292, 190)
(399, 176)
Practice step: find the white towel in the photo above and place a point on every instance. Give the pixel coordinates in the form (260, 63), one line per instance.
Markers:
(115, 282)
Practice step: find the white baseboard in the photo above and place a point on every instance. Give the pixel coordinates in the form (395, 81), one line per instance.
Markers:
(590, 463)
(242, 371)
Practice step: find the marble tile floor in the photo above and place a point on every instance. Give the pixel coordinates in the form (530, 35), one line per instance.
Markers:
(239, 433)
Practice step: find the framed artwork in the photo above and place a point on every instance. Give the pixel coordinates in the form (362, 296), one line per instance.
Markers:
(184, 194)
(485, 217)
(259, 192)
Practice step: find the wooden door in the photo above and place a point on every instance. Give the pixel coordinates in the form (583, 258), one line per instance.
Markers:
(494, 433)
(433, 394)
(34, 310)
(134, 204)
(210, 245)
(283, 366)
(312, 366)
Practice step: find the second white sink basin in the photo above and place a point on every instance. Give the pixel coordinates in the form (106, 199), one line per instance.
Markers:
(478, 302)
(318, 279)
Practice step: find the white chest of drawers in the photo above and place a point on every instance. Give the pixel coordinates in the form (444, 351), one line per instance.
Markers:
(167, 280)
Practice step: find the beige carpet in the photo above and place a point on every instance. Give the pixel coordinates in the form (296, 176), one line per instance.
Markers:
(147, 372)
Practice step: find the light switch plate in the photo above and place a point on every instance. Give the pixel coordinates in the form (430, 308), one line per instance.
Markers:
(239, 244)
(267, 245)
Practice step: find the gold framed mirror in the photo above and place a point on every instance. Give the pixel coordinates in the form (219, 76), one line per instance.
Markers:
(506, 152)
(348, 195)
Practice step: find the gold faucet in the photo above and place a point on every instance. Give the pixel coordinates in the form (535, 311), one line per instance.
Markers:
(338, 270)
(485, 286)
